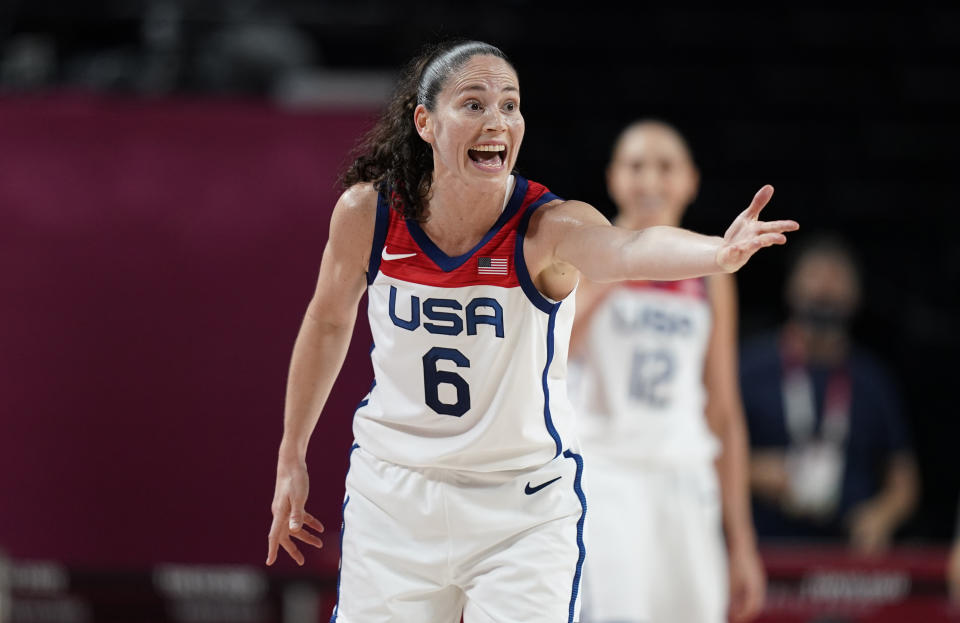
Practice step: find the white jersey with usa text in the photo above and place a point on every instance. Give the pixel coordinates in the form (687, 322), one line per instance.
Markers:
(638, 387)
(469, 358)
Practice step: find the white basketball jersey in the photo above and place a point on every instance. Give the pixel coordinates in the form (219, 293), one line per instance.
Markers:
(469, 358)
(639, 386)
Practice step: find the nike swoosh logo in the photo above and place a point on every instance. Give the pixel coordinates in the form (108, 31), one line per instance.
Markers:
(531, 490)
(394, 256)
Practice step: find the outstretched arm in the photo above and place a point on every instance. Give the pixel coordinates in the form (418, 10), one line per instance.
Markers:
(585, 241)
(318, 354)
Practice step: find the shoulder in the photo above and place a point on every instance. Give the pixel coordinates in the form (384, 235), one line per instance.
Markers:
(355, 214)
(561, 214)
(353, 223)
(358, 202)
(552, 224)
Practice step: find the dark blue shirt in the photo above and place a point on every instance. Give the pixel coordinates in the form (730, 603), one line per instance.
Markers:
(876, 431)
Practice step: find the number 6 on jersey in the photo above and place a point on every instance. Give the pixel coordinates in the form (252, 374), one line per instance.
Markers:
(433, 378)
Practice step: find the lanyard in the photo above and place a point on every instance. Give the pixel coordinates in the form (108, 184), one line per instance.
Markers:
(799, 404)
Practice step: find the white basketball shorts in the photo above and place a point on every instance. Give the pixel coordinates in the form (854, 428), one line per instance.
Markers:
(655, 545)
(426, 545)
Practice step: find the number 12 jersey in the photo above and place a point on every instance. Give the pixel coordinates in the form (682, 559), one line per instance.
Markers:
(638, 387)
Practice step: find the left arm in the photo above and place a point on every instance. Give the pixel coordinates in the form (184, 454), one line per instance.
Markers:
(726, 418)
(873, 523)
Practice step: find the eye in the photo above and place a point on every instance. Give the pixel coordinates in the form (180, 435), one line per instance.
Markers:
(511, 106)
(474, 106)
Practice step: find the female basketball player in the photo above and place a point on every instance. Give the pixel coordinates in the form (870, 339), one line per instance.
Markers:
(464, 490)
(656, 389)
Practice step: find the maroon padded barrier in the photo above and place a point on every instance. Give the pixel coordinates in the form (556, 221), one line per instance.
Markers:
(157, 257)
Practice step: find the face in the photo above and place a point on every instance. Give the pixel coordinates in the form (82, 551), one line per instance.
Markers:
(823, 291)
(651, 179)
(476, 128)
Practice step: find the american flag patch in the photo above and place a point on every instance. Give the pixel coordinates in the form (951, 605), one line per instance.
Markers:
(491, 266)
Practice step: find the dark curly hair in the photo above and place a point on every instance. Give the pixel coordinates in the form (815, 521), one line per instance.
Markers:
(392, 155)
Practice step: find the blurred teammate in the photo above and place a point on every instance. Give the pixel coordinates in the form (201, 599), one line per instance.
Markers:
(464, 492)
(656, 390)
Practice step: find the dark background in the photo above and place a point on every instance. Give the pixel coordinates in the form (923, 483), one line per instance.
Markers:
(164, 208)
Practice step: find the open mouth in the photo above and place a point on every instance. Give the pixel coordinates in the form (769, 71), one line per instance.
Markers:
(488, 156)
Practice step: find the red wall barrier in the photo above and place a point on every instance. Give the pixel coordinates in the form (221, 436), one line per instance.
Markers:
(157, 258)
(807, 584)
(813, 584)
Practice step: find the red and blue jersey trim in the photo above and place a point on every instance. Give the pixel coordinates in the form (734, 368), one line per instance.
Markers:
(379, 236)
(402, 250)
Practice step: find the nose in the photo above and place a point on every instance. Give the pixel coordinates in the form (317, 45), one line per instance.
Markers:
(494, 120)
(648, 178)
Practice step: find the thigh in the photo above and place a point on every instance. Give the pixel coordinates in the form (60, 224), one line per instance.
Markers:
(523, 546)
(393, 561)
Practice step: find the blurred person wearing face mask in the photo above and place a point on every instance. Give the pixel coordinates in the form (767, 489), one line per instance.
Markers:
(831, 458)
(670, 536)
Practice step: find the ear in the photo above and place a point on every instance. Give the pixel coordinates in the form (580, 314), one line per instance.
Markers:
(423, 123)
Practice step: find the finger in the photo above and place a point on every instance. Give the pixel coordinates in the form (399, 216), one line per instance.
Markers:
(292, 549)
(741, 252)
(312, 521)
(271, 551)
(273, 540)
(766, 240)
(747, 248)
(308, 537)
(296, 515)
(785, 225)
(759, 201)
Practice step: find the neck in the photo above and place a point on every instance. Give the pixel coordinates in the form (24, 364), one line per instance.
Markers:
(462, 213)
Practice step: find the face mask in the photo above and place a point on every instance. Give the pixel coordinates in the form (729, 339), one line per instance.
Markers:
(821, 317)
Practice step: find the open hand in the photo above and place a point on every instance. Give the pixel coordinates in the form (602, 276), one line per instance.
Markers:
(747, 234)
(289, 517)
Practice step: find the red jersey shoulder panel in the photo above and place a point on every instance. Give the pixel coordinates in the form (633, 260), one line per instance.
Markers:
(409, 255)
